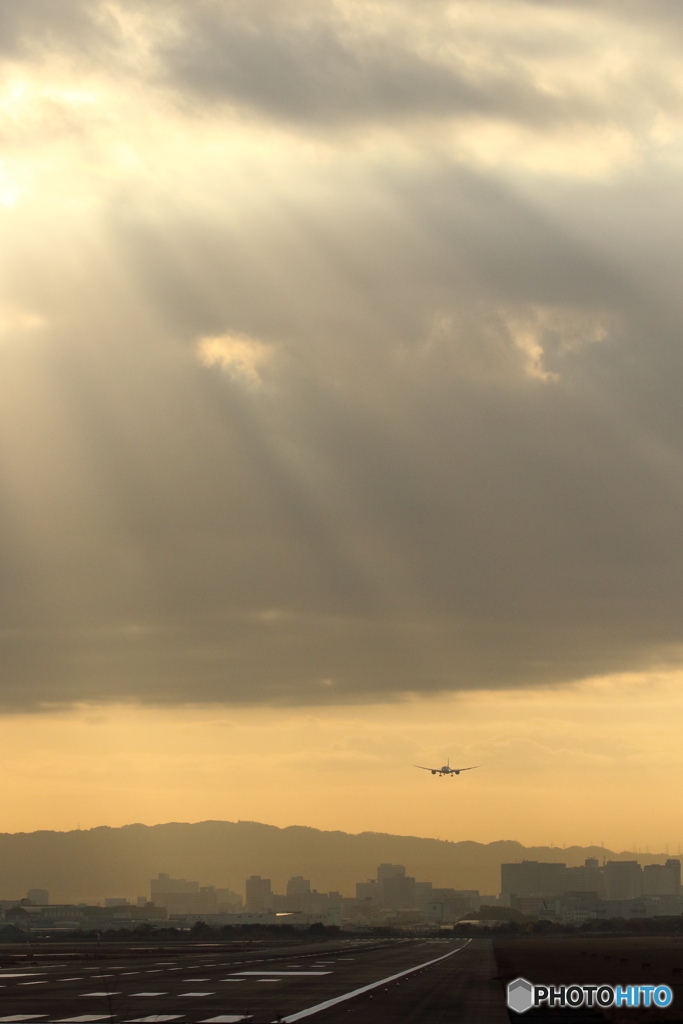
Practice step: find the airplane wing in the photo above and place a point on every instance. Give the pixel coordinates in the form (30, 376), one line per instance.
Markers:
(471, 768)
(426, 769)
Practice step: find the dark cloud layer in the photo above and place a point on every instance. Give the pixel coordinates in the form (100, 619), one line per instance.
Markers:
(436, 442)
(323, 70)
(40, 25)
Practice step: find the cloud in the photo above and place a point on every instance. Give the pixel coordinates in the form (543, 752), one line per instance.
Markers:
(30, 27)
(364, 63)
(242, 357)
(327, 65)
(302, 409)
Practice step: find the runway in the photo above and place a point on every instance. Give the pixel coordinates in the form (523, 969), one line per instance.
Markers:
(408, 981)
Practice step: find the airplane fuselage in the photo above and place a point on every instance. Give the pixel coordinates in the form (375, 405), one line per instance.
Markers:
(445, 769)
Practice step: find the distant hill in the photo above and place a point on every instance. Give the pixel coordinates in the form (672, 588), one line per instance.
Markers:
(86, 866)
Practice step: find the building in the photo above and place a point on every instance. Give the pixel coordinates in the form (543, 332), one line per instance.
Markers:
(397, 892)
(587, 878)
(165, 886)
(623, 879)
(298, 886)
(259, 895)
(182, 897)
(533, 878)
(662, 879)
(38, 897)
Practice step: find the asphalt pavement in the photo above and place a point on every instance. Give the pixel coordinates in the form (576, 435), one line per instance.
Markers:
(404, 981)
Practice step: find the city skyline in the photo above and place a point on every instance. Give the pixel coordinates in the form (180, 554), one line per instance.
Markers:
(341, 427)
(575, 896)
(104, 862)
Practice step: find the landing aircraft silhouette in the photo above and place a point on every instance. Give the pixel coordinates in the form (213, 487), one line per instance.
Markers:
(446, 769)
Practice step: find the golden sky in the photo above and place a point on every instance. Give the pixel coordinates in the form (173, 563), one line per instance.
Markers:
(340, 346)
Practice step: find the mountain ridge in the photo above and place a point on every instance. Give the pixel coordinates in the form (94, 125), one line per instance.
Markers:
(90, 864)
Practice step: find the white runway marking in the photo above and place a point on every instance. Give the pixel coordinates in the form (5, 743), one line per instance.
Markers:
(367, 988)
(283, 974)
(104, 995)
(84, 1018)
(44, 982)
(22, 974)
(225, 1018)
(155, 1017)
(194, 995)
(149, 994)
(23, 1016)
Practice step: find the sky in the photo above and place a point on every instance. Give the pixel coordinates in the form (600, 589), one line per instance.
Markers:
(340, 349)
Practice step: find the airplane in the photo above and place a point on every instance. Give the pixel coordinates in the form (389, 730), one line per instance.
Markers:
(446, 769)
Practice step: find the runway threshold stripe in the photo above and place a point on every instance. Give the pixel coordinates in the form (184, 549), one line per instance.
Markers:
(366, 988)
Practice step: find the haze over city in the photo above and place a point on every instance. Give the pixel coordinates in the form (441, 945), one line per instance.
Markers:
(341, 424)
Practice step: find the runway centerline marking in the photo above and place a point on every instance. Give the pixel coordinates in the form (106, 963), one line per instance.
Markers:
(367, 988)
(281, 974)
(22, 974)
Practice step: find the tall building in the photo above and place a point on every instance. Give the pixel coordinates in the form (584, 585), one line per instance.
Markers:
(662, 879)
(259, 895)
(164, 886)
(533, 878)
(368, 891)
(397, 892)
(228, 902)
(674, 866)
(388, 871)
(180, 896)
(38, 897)
(623, 879)
(587, 878)
(391, 890)
(298, 886)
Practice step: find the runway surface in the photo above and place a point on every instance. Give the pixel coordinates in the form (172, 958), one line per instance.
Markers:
(409, 981)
